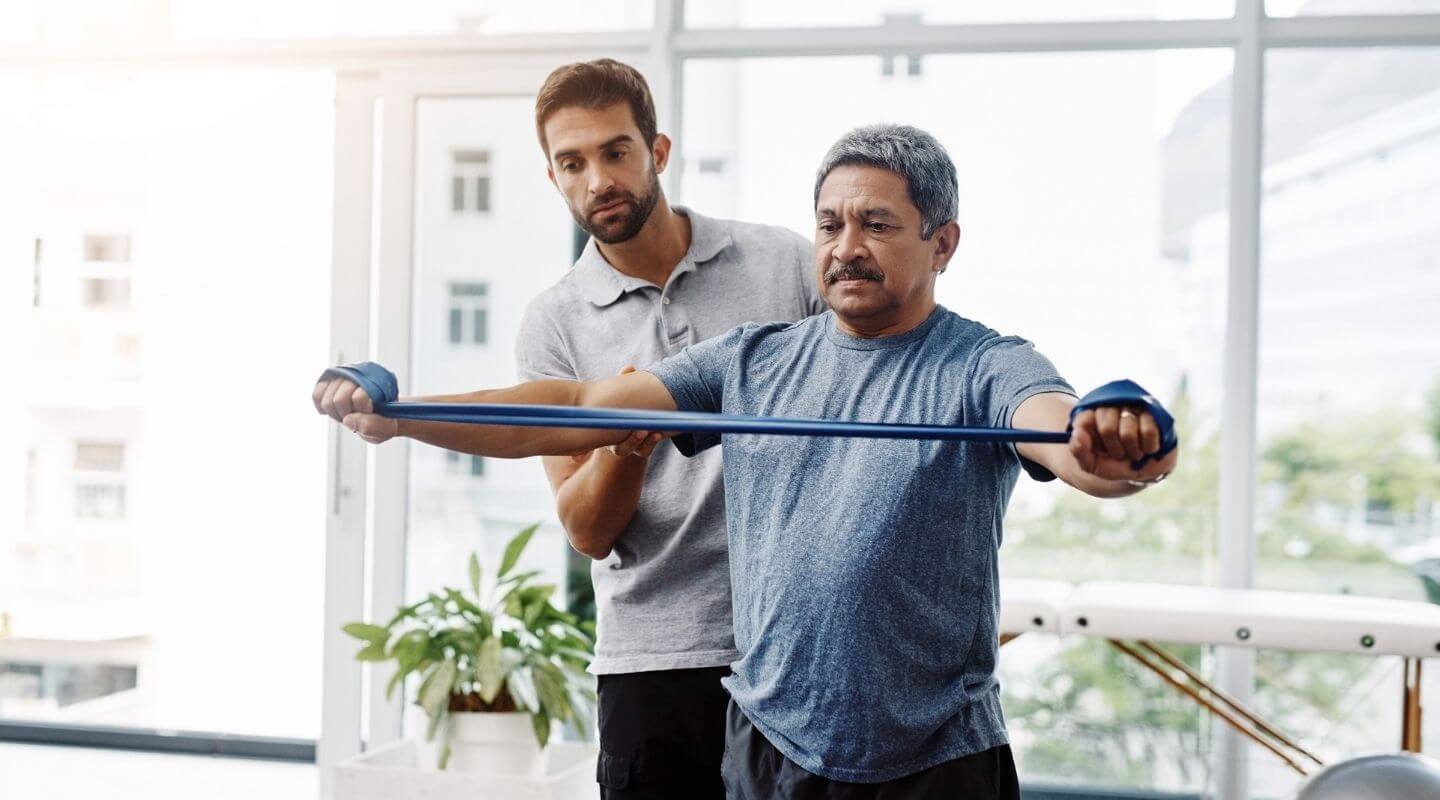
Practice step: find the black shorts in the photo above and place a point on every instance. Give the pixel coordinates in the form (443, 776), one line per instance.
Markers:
(662, 735)
(755, 770)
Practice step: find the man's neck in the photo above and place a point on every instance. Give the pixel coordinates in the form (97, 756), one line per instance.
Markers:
(904, 321)
(652, 253)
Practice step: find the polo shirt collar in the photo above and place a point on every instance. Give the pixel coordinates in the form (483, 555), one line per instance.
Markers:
(602, 284)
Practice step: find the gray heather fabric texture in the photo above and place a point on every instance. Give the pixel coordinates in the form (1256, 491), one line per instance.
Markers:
(663, 594)
(865, 570)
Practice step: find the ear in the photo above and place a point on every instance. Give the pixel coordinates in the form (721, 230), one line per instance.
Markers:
(945, 240)
(660, 152)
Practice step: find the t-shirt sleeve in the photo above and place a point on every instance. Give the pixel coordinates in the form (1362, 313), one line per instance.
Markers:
(540, 351)
(1009, 371)
(695, 378)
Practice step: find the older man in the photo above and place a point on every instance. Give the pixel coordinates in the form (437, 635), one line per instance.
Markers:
(864, 571)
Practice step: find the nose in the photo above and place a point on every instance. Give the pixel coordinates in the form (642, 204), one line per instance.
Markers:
(850, 244)
(600, 181)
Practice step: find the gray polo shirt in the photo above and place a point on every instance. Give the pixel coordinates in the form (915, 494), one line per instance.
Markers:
(663, 594)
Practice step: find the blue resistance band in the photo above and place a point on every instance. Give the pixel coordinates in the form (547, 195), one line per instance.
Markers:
(380, 384)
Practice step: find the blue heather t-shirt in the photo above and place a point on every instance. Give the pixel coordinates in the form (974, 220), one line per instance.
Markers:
(864, 570)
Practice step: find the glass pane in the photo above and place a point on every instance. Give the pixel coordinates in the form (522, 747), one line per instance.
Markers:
(507, 256)
(212, 18)
(101, 457)
(148, 21)
(824, 14)
(1350, 358)
(482, 193)
(1319, 8)
(154, 556)
(1348, 499)
(1085, 181)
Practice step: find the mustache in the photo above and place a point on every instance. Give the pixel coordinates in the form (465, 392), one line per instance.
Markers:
(851, 270)
(608, 198)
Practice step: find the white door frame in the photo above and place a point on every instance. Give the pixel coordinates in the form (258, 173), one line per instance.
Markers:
(372, 318)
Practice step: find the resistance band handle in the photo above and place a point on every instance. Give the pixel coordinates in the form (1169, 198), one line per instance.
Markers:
(378, 382)
(1130, 393)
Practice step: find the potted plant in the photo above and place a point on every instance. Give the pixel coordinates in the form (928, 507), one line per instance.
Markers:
(497, 668)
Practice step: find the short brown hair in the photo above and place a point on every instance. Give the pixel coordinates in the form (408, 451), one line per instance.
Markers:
(596, 84)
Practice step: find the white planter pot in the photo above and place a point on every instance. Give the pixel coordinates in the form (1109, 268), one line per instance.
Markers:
(498, 744)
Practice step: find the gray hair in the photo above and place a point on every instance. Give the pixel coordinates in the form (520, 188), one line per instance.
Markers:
(910, 153)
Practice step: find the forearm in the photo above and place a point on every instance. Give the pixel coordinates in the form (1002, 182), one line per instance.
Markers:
(506, 441)
(599, 500)
(1096, 486)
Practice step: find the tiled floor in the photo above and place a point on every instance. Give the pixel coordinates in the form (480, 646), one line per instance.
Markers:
(35, 772)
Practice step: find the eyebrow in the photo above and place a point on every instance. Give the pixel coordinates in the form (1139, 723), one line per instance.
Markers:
(623, 138)
(867, 214)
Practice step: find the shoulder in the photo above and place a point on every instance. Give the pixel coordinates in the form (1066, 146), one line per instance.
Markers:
(760, 341)
(753, 238)
(780, 330)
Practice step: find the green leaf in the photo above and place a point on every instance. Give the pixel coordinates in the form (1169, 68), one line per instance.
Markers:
(374, 651)
(394, 682)
(518, 579)
(550, 684)
(367, 632)
(475, 574)
(435, 723)
(522, 687)
(514, 548)
(448, 738)
(536, 603)
(541, 721)
(487, 669)
(463, 603)
(435, 691)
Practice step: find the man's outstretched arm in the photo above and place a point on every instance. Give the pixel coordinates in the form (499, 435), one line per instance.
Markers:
(1103, 444)
(347, 403)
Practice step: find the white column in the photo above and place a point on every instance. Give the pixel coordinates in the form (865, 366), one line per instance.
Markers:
(340, 724)
(1236, 666)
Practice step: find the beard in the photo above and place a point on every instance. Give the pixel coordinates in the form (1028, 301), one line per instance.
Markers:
(619, 225)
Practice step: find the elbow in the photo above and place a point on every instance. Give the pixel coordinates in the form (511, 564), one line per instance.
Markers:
(587, 542)
(584, 533)
(594, 552)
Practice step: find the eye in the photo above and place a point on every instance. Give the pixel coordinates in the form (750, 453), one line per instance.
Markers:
(617, 155)
(827, 227)
(570, 166)
(877, 227)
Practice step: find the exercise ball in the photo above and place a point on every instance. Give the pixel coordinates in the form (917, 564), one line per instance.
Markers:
(1385, 777)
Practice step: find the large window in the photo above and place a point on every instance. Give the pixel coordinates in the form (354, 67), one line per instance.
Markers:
(472, 278)
(1348, 494)
(162, 501)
